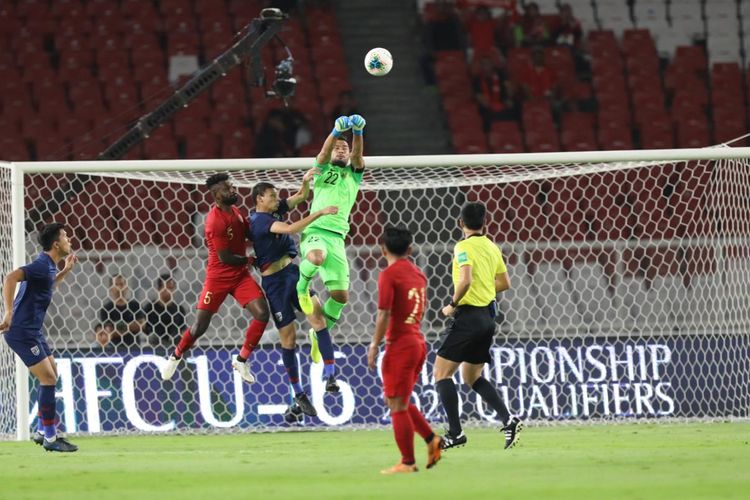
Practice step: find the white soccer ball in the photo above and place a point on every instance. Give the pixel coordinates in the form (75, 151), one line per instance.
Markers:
(378, 62)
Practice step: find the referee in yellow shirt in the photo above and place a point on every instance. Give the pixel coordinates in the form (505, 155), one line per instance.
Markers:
(479, 274)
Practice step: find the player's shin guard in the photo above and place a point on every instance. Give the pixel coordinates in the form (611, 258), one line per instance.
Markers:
(288, 356)
(420, 423)
(307, 271)
(446, 389)
(403, 431)
(47, 409)
(332, 311)
(186, 342)
(490, 396)
(326, 350)
(252, 337)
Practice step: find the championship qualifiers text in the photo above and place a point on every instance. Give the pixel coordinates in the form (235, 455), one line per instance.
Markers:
(106, 393)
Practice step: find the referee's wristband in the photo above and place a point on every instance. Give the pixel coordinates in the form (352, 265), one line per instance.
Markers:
(453, 304)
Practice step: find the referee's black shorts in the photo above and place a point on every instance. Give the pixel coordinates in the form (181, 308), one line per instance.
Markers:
(469, 335)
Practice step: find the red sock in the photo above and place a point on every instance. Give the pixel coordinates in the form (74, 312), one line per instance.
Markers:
(186, 342)
(419, 422)
(404, 434)
(252, 337)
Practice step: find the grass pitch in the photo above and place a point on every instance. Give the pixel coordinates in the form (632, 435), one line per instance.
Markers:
(616, 461)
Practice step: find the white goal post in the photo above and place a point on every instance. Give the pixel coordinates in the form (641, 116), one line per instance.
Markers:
(630, 275)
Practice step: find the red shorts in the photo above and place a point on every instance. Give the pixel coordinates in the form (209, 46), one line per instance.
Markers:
(244, 290)
(401, 367)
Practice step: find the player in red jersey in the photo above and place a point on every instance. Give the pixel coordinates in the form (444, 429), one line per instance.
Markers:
(401, 302)
(227, 273)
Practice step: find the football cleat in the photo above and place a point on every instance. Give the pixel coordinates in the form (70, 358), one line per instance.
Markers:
(293, 414)
(434, 448)
(60, 444)
(37, 437)
(314, 349)
(305, 303)
(400, 468)
(512, 432)
(449, 441)
(168, 370)
(243, 369)
(305, 405)
(331, 385)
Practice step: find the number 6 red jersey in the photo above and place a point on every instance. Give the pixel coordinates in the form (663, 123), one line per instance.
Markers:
(402, 290)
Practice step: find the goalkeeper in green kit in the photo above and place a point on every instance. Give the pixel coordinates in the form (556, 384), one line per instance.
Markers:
(322, 243)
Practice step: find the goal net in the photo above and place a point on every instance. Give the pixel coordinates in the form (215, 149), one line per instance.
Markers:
(629, 299)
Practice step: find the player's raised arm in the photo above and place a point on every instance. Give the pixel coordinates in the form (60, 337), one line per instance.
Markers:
(9, 291)
(358, 143)
(340, 126)
(300, 225)
(304, 190)
(70, 262)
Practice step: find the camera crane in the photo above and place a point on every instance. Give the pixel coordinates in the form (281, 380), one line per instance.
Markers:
(253, 37)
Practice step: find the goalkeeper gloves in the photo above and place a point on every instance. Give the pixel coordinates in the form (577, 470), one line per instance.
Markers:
(340, 126)
(358, 124)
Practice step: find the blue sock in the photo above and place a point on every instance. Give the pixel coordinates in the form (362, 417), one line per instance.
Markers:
(292, 369)
(325, 345)
(39, 424)
(47, 409)
(328, 370)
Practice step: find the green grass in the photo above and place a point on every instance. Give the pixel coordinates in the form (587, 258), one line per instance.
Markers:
(617, 461)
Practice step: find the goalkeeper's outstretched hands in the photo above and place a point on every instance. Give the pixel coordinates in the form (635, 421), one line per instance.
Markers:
(341, 125)
(357, 123)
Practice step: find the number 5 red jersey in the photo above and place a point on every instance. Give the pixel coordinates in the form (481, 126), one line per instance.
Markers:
(229, 231)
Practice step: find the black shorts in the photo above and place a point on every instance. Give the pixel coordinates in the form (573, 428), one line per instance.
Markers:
(469, 335)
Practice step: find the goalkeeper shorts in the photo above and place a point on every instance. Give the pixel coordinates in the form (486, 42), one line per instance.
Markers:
(335, 268)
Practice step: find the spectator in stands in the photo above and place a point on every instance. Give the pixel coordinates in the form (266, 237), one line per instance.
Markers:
(481, 28)
(165, 319)
(531, 29)
(345, 106)
(103, 334)
(538, 80)
(567, 29)
(298, 128)
(275, 139)
(124, 314)
(493, 92)
(444, 27)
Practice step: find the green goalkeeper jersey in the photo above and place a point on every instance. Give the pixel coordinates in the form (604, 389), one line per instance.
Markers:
(335, 186)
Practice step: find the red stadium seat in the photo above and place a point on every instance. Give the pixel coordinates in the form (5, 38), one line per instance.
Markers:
(52, 148)
(614, 139)
(505, 137)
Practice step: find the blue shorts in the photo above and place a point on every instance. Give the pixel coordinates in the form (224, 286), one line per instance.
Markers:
(31, 347)
(281, 293)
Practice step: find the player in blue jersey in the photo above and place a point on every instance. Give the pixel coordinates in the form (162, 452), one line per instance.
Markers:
(274, 251)
(23, 320)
